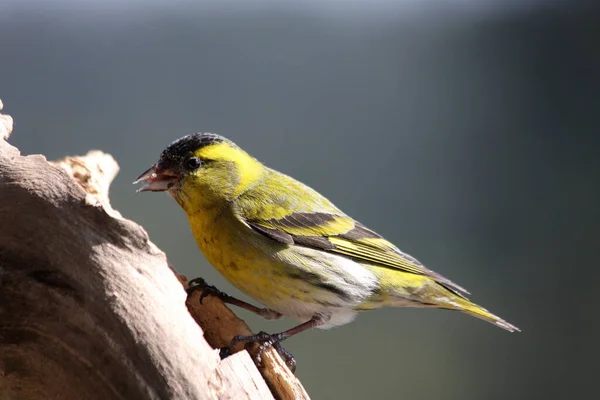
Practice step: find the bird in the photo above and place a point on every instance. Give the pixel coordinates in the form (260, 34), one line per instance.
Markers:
(287, 246)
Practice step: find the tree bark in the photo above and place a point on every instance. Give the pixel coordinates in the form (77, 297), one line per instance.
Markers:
(89, 308)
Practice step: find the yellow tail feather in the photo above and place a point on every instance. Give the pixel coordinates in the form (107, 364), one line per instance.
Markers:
(479, 312)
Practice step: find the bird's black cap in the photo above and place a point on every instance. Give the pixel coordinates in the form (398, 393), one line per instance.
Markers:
(190, 143)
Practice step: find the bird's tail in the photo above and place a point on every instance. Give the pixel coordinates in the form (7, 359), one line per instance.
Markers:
(464, 305)
(410, 290)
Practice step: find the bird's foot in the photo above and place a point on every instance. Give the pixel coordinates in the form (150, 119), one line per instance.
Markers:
(210, 290)
(207, 290)
(288, 357)
(264, 340)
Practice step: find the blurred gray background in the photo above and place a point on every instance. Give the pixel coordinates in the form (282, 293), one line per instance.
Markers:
(465, 132)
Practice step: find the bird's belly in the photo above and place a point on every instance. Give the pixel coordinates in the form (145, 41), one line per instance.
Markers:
(296, 282)
(266, 282)
(247, 269)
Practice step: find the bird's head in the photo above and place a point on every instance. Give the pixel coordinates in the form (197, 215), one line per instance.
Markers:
(202, 171)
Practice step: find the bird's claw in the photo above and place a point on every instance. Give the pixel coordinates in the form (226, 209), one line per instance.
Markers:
(210, 290)
(224, 352)
(264, 340)
(195, 284)
(207, 290)
(288, 357)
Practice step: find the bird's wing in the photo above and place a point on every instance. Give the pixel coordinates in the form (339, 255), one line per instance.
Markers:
(330, 230)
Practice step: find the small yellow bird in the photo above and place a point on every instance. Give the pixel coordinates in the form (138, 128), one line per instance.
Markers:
(287, 246)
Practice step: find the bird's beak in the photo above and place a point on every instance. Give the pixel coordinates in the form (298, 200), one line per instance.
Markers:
(156, 180)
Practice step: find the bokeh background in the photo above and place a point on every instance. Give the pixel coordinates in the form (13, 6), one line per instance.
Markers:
(466, 132)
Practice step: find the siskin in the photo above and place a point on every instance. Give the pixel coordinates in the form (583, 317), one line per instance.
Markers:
(287, 246)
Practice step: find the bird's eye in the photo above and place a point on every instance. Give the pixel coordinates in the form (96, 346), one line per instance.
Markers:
(193, 163)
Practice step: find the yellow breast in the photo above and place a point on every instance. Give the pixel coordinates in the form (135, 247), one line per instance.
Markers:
(232, 248)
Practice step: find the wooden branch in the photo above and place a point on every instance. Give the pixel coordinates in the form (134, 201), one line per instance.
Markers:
(89, 308)
(220, 325)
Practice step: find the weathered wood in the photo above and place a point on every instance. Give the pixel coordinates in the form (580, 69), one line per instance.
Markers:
(220, 325)
(89, 308)
(236, 377)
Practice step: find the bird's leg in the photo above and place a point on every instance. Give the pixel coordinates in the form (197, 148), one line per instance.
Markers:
(210, 290)
(265, 340)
